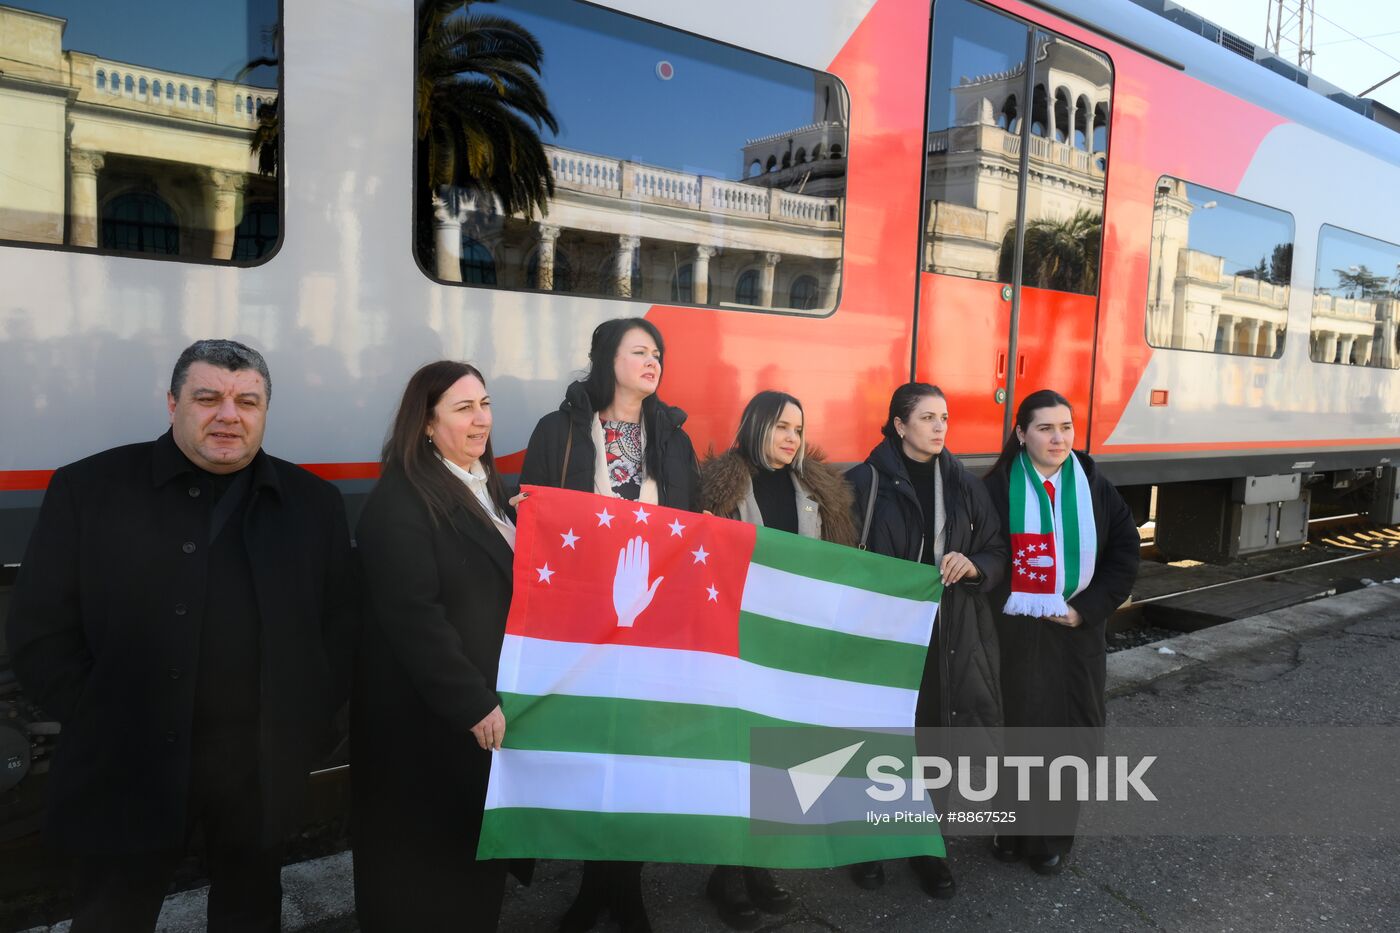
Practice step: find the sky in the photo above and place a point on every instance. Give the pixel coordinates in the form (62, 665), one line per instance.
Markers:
(1357, 42)
(208, 38)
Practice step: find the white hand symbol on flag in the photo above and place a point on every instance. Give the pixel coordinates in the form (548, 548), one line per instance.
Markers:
(631, 595)
(1042, 560)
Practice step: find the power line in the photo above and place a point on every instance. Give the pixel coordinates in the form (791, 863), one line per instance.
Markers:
(1361, 39)
(1380, 35)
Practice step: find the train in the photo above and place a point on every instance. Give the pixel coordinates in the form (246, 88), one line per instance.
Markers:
(829, 197)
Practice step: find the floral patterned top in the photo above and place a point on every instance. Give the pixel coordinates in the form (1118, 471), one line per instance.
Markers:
(622, 444)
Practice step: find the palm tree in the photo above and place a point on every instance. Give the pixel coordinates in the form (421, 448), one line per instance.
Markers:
(266, 141)
(480, 108)
(1059, 254)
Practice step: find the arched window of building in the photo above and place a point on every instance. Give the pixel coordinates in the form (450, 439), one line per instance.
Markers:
(1040, 112)
(170, 92)
(140, 222)
(755, 169)
(803, 294)
(209, 98)
(1083, 132)
(1061, 115)
(238, 103)
(478, 265)
(184, 93)
(800, 157)
(1007, 119)
(1101, 128)
(746, 288)
(197, 97)
(787, 160)
(256, 234)
(130, 85)
(116, 82)
(155, 90)
(248, 105)
(563, 271)
(835, 150)
(772, 165)
(101, 80)
(143, 87)
(816, 152)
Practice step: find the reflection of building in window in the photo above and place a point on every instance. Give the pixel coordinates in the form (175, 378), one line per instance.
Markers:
(143, 167)
(1193, 303)
(1356, 301)
(973, 166)
(478, 265)
(659, 234)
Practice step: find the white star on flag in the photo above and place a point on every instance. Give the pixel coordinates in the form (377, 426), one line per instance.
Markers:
(714, 594)
(1021, 570)
(676, 528)
(1043, 578)
(604, 518)
(569, 539)
(700, 555)
(1021, 553)
(545, 573)
(1040, 546)
(1017, 562)
(641, 515)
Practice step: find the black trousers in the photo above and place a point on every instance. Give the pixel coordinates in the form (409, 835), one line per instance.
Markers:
(123, 893)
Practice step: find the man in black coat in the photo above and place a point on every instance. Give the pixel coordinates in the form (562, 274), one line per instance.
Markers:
(187, 610)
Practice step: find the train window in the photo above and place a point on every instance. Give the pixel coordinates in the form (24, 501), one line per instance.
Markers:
(1356, 301)
(99, 151)
(977, 125)
(1218, 272)
(612, 159)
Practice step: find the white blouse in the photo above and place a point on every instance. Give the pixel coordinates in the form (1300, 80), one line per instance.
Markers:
(475, 478)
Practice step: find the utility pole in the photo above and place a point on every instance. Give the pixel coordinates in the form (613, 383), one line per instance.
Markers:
(1285, 18)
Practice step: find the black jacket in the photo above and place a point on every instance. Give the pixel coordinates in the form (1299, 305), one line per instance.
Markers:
(104, 631)
(678, 485)
(438, 595)
(1053, 675)
(965, 641)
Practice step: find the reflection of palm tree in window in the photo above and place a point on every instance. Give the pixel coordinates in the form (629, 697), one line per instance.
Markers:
(480, 108)
(563, 271)
(1059, 254)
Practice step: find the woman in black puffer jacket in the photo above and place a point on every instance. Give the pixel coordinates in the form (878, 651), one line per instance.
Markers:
(928, 508)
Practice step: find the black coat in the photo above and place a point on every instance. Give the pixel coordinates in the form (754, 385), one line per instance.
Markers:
(678, 485)
(1053, 675)
(104, 631)
(965, 642)
(438, 596)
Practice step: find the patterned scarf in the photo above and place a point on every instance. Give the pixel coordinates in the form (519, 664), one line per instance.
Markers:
(1054, 541)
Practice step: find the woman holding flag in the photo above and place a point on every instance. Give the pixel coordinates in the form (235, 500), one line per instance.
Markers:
(769, 478)
(1073, 559)
(612, 435)
(916, 501)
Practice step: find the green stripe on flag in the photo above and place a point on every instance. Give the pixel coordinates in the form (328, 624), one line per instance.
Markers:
(823, 653)
(1042, 498)
(1069, 511)
(514, 832)
(846, 566)
(605, 725)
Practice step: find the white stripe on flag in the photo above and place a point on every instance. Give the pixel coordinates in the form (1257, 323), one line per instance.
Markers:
(538, 667)
(790, 597)
(617, 783)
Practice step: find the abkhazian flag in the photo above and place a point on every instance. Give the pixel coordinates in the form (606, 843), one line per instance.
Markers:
(643, 645)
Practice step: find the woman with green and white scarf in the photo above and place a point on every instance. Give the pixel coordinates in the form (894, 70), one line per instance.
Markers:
(1073, 557)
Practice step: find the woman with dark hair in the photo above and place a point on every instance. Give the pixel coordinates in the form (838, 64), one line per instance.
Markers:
(1072, 559)
(769, 478)
(613, 436)
(436, 539)
(916, 501)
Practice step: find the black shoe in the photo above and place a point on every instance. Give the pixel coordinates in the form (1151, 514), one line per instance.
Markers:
(868, 875)
(634, 921)
(1005, 849)
(935, 876)
(730, 896)
(765, 892)
(582, 914)
(1046, 864)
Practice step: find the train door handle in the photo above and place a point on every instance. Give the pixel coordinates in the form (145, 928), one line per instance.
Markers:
(1020, 365)
(1001, 364)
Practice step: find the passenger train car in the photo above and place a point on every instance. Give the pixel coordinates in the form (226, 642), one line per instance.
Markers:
(825, 196)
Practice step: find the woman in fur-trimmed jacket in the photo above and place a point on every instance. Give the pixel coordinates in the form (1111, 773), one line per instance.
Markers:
(768, 478)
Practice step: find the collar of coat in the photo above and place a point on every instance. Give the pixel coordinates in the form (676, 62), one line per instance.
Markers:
(726, 480)
(579, 408)
(168, 462)
(886, 457)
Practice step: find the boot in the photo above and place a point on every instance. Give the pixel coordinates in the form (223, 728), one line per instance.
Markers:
(727, 891)
(868, 875)
(935, 876)
(583, 913)
(765, 892)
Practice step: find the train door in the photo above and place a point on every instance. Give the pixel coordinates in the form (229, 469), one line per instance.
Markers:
(1015, 163)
